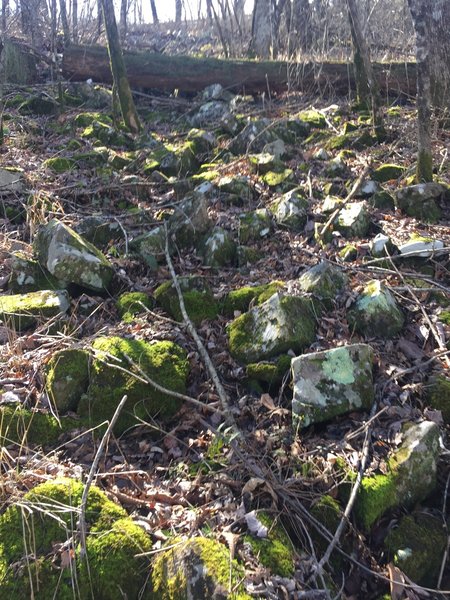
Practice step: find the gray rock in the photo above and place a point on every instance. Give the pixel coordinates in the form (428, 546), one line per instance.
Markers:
(331, 383)
(253, 138)
(381, 245)
(280, 324)
(421, 200)
(236, 190)
(29, 276)
(277, 148)
(254, 225)
(324, 281)
(69, 257)
(211, 111)
(353, 220)
(218, 248)
(190, 219)
(99, 231)
(67, 378)
(422, 247)
(290, 210)
(21, 311)
(376, 313)
(11, 182)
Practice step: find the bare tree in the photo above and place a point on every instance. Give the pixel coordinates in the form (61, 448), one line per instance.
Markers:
(121, 87)
(154, 12)
(178, 10)
(123, 20)
(366, 83)
(420, 13)
(75, 21)
(302, 24)
(64, 22)
(261, 42)
(5, 11)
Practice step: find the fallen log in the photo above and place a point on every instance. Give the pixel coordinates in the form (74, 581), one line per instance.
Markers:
(191, 74)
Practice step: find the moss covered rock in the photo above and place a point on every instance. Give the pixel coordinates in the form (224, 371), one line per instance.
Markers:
(38, 105)
(325, 281)
(34, 561)
(269, 372)
(387, 172)
(197, 296)
(240, 299)
(218, 248)
(275, 551)
(417, 545)
(382, 200)
(190, 220)
(313, 118)
(131, 304)
(376, 313)
(60, 164)
(331, 383)
(198, 568)
(69, 257)
(100, 231)
(21, 311)
(290, 210)
(438, 395)
(411, 475)
(355, 140)
(254, 225)
(164, 362)
(279, 324)
(28, 275)
(84, 119)
(235, 189)
(22, 426)
(353, 220)
(67, 378)
(421, 200)
(106, 134)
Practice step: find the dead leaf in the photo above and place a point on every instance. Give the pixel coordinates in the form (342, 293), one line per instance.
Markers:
(397, 579)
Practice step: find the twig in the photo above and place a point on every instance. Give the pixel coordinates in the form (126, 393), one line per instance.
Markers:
(349, 197)
(201, 348)
(84, 498)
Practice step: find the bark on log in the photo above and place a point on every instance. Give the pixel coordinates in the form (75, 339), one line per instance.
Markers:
(190, 74)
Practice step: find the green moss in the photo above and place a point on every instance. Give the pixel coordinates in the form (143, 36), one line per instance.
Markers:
(276, 179)
(275, 551)
(199, 303)
(60, 164)
(67, 378)
(164, 362)
(355, 140)
(438, 395)
(417, 546)
(376, 495)
(87, 118)
(313, 118)
(269, 372)
(19, 425)
(130, 304)
(29, 276)
(196, 568)
(45, 518)
(424, 171)
(387, 172)
(240, 299)
(21, 311)
(328, 512)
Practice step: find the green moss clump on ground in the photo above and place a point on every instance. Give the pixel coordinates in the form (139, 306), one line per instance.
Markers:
(60, 164)
(198, 300)
(240, 299)
(438, 394)
(275, 551)
(164, 362)
(328, 511)
(130, 304)
(198, 568)
(355, 139)
(67, 378)
(271, 373)
(387, 172)
(417, 546)
(32, 531)
(376, 495)
(22, 426)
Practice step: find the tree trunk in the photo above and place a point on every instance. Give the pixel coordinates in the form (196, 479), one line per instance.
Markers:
(420, 13)
(5, 11)
(301, 24)
(192, 74)
(154, 12)
(64, 22)
(178, 11)
(440, 53)
(123, 20)
(366, 84)
(119, 75)
(261, 43)
(75, 21)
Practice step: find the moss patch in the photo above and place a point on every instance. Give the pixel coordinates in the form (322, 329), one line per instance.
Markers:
(275, 551)
(198, 299)
(131, 304)
(438, 395)
(164, 362)
(240, 299)
(67, 378)
(22, 426)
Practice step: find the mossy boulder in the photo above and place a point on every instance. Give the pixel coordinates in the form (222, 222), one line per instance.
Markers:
(198, 568)
(106, 134)
(387, 172)
(60, 164)
(84, 119)
(150, 246)
(198, 299)
(419, 246)
(265, 162)
(355, 140)
(281, 180)
(313, 118)
(382, 200)
(69, 257)
(131, 304)
(252, 139)
(331, 383)
(100, 231)
(421, 200)
(164, 362)
(11, 181)
(44, 521)
(239, 300)
(274, 551)
(203, 142)
(290, 210)
(22, 426)
(269, 372)
(218, 248)
(324, 281)
(291, 130)
(375, 312)
(410, 478)
(28, 275)
(38, 105)
(235, 189)
(190, 220)
(21, 311)
(279, 324)
(417, 545)
(438, 395)
(348, 253)
(353, 221)
(67, 378)
(329, 513)
(254, 225)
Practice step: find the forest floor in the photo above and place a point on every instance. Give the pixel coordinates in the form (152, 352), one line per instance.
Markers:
(185, 477)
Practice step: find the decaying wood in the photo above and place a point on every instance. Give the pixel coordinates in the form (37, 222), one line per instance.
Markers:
(192, 74)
